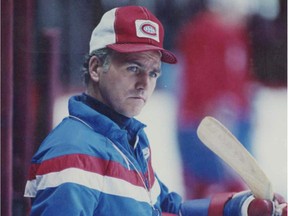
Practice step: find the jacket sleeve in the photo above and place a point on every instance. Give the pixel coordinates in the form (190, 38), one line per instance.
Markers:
(65, 199)
(67, 184)
(222, 204)
(170, 201)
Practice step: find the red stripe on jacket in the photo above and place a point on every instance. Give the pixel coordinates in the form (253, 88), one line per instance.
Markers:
(90, 164)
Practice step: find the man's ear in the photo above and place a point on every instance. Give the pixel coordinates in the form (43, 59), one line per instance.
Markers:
(94, 64)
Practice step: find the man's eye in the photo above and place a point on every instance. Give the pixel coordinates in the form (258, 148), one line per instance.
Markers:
(134, 69)
(154, 74)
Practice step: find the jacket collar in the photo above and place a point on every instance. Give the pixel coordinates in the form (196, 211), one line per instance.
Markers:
(108, 123)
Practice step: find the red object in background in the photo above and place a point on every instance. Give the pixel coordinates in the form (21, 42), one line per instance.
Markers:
(23, 118)
(216, 63)
(6, 106)
(19, 96)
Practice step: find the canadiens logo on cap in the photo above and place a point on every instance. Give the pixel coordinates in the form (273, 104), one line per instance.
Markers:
(147, 29)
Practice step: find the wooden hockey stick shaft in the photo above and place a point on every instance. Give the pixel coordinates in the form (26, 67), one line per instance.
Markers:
(224, 144)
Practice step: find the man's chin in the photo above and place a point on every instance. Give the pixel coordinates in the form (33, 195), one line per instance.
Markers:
(133, 112)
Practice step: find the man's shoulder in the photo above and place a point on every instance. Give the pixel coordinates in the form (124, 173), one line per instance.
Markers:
(70, 137)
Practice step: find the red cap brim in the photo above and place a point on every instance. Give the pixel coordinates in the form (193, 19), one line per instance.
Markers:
(167, 56)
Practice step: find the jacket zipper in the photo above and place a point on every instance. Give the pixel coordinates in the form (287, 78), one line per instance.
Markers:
(146, 182)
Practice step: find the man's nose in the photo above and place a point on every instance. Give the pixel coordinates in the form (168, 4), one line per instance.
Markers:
(143, 80)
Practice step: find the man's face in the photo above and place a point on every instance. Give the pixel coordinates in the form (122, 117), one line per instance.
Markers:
(129, 81)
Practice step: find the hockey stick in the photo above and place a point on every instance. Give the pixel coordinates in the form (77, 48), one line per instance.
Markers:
(223, 143)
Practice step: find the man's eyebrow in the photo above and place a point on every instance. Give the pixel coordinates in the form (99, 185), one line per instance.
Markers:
(134, 61)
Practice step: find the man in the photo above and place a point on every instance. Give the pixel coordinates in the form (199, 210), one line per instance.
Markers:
(98, 160)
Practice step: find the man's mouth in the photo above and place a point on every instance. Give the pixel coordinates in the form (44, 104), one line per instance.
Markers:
(139, 98)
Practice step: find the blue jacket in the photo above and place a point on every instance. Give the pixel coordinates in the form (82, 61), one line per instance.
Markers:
(86, 166)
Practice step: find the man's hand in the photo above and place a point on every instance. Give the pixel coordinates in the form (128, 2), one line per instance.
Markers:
(255, 207)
